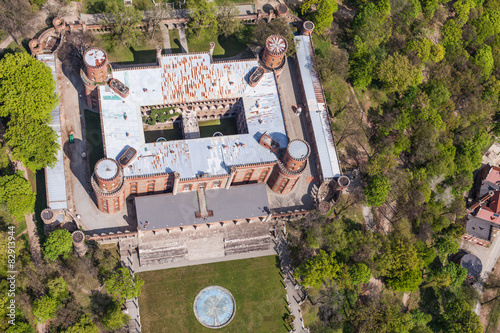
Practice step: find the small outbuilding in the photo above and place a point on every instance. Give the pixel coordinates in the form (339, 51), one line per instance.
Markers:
(472, 264)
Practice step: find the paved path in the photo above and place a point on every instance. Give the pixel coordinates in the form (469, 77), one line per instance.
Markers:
(5, 43)
(77, 171)
(166, 39)
(489, 257)
(134, 324)
(295, 294)
(183, 39)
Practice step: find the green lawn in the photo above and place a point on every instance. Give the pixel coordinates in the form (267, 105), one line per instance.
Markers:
(99, 6)
(166, 303)
(226, 126)
(13, 48)
(233, 45)
(141, 52)
(94, 138)
(175, 42)
(238, 2)
(174, 133)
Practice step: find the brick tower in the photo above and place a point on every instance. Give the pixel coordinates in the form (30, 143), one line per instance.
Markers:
(95, 73)
(107, 182)
(307, 28)
(288, 171)
(49, 220)
(274, 54)
(79, 243)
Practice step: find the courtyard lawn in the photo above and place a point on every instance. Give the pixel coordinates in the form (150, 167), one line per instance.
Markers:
(169, 134)
(175, 42)
(226, 126)
(224, 48)
(166, 303)
(94, 138)
(236, 2)
(141, 52)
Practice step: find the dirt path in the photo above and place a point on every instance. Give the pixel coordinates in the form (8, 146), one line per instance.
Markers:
(34, 241)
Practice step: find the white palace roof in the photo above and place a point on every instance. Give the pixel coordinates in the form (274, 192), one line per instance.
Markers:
(320, 122)
(191, 78)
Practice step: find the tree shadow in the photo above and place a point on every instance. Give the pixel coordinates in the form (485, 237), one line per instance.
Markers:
(179, 48)
(73, 152)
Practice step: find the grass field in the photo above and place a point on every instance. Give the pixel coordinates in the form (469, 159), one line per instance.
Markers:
(233, 45)
(226, 126)
(166, 303)
(141, 52)
(169, 134)
(175, 42)
(94, 138)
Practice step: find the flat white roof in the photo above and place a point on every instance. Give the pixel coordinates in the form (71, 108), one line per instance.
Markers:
(54, 177)
(320, 122)
(123, 128)
(106, 169)
(94, 57)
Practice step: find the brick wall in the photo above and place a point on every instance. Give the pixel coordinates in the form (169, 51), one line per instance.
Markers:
(253, 174)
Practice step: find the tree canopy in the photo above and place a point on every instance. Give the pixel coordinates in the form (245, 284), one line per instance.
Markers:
(377, 190)
(114, 317)
(58, 243)
(202, 17)
(322, 14)
(84, 325)
(123, 21)
(45, 308)
(122, 284)
(27, 97)
(320, 268)
(16, 193)
(227, 22)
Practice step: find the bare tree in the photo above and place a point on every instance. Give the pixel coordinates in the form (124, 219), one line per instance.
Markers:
(154, 17)
(73, 48)
(228, 23)
(15, 16)
(55, 9)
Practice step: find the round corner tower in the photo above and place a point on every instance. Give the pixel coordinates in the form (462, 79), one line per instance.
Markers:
(307, 28)
(78, 238)
(96, 64)
(107, 182)
(59, 24)
(274, 54)
(282, 10)
(288, 171)
(49, 220)
(95, 72)
(35, 46)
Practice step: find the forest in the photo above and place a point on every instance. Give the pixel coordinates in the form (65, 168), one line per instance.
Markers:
(426, 77)
(412, 87)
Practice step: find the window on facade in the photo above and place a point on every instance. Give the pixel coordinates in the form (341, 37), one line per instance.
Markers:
(263, 176)
(105, 205)
(283, 184)
(117, 204)
(133, 188)
(216, 184)
(187, 187)
(151, 187)
(248, 175)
